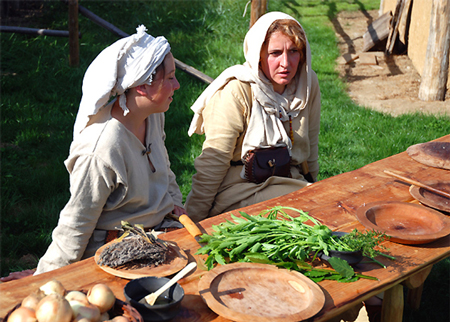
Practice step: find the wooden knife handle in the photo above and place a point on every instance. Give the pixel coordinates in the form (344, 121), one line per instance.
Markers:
(190, 226)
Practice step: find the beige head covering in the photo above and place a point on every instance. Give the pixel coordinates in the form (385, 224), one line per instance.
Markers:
(265, 126)
(127, 63)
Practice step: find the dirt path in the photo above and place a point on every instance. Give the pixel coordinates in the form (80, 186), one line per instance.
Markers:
(390, 86)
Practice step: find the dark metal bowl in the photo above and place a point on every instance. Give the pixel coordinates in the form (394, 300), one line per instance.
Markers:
(352, 258)
(138, 288)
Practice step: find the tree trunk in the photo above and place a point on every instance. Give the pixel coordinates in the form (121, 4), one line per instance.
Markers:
(435, 73)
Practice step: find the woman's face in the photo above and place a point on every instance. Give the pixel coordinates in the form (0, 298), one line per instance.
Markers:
(163, 86)
(279, 60)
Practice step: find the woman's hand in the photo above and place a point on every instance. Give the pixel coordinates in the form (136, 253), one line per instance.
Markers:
(17, 275)
(178, 211)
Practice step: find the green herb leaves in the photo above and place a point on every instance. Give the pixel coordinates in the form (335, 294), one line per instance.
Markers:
(286, 242)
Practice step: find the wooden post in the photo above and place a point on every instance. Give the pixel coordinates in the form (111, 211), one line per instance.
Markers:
(415, 287)
(392, 310)
(435, 71)
(73, 33)
(258, 8)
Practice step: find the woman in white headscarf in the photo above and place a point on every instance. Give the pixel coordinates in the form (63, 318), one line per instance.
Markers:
(272, 100)
(118, 164)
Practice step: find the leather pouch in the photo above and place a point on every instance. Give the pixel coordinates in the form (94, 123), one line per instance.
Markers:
(261, 164)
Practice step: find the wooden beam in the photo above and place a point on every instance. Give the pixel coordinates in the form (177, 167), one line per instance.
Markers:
(107, 25)
(74, 49)
(36, 31)
(435, 71)
(377, 32)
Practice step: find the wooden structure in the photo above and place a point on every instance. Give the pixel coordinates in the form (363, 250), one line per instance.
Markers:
(258, 8)
(334, 202)
(73, 32)
(425, 30)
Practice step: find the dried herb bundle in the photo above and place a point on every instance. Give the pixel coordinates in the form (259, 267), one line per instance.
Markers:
(135, 249)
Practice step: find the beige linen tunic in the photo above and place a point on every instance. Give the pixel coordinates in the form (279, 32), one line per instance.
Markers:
(110, 181)
(217, 186)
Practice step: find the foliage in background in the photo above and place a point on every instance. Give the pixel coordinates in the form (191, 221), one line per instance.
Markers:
(40, 94)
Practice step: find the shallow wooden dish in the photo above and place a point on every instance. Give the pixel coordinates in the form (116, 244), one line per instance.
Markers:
(432, 199)
(176, 260)
(433, 154)
(249, 292)
(404, 222)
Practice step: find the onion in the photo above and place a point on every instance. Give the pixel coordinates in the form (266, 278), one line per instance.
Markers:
(75, 305)
(81, 319)
(22, 314)
(120, 318)
(54, 308)
(77, 296)
(101, 296)
(104, 317)
(89, 312)
(32, 300)
(53, 286)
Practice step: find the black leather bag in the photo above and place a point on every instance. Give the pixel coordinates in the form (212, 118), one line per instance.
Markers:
(261, 164)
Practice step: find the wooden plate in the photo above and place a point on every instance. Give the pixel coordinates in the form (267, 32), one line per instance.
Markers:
(176, 260)
(260, 292)
(406, 223)
(433, 154)
(432, 199)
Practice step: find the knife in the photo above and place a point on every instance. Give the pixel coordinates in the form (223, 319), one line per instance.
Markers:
(195, 232)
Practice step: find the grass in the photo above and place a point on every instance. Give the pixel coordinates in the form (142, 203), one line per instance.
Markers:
(41, 93)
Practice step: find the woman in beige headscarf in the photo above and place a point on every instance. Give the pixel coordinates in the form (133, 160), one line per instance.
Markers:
(272, 100)
(118, 163)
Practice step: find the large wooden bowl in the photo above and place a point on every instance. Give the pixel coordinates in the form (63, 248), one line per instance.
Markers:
(433, 154)
(249, 292)
(432, 199)
(404, 222)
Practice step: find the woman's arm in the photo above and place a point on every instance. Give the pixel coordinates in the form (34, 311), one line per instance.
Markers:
(224, 124)
(314, 126)
(91, 183)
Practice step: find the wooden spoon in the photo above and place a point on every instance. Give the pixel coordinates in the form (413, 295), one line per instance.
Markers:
(418, 184)
(151, 298)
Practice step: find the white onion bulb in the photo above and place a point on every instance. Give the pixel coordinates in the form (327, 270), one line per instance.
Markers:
(120, 318)
(54, 308)
(101, 296)
(81, 319)
(22, 314)
(89, 312)
(77, 296)
(53, 286)
(32, 300)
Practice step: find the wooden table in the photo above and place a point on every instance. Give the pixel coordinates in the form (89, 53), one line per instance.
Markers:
(333, 201)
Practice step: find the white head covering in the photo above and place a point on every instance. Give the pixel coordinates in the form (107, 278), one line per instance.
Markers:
(265, 127)
(127, 63)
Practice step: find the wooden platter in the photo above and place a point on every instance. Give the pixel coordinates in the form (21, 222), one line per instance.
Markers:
(433, 154)
(432, 199)
(176, 260)
(247, 292)
(405, 223)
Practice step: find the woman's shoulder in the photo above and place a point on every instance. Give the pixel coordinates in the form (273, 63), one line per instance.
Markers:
(106, 143)
(102, 139)
(239, 88)
(234, 91)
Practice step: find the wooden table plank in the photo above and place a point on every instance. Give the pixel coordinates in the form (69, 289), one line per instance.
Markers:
(333, 201)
